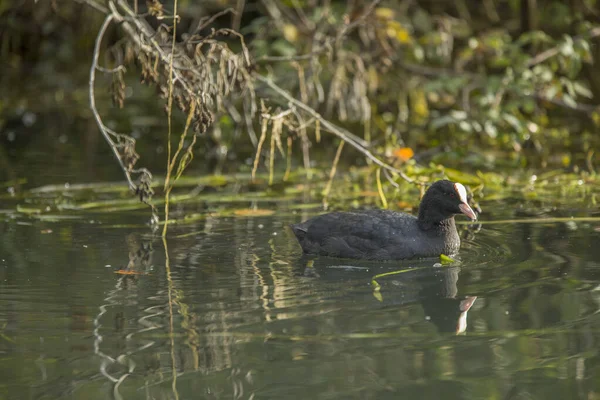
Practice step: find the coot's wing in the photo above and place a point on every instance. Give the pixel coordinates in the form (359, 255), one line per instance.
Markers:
(376, 234)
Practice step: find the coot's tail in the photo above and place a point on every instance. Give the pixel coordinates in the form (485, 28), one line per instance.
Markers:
(300, 232)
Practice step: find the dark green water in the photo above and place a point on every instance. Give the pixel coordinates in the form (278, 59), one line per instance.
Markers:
(237, 314)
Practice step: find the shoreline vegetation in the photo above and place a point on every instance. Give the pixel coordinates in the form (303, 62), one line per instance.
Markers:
(388, 93)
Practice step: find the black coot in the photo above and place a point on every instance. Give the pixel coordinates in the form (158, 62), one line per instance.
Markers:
(389, 235)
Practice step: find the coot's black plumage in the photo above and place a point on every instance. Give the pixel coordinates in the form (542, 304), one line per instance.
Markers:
(389, 235)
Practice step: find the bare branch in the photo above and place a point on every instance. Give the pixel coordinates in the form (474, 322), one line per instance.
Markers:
(103, 129)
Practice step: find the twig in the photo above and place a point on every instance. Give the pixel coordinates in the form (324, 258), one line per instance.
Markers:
(434, 72)
(349, 27)
(390, 180)
(384, 202)
(589, 162)
(95, 5)
(305, 143)
(110, 70)
(204, 22)
(533, 221)
(170, 163)
(336, 160)
(301, 57)
(288, 159)
(544, 55)
(261, 141)
(341, 133)
(103, 129)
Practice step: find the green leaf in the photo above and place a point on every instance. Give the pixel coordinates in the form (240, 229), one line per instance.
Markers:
(513, 121)
(442, 121)
(582, 90)
(569, 101)
(444, 259)
(566, 48)
(552, 91)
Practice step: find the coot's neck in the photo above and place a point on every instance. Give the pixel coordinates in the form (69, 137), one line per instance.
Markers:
(432, 217)
(440, 225)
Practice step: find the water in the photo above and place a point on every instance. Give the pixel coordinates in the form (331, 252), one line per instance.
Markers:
(236, 313)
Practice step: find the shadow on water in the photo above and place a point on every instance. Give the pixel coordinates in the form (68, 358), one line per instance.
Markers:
(92, 310)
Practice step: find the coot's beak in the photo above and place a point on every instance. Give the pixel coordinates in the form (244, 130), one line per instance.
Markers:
(467, 210)
(464, 205)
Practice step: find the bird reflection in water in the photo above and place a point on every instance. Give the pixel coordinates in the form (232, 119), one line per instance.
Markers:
(433, 287)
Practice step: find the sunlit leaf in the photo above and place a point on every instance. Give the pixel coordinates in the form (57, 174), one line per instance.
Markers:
(403, 36)
(513, 121)
(536, 37)
(582, 90)
(376, 290)
(384, 13)
(290, 33)
(248, 212)
(378, 296)
(446, 259)
(404, 153)
(395, 30)
(368, 193)
(437, 123)
(463, 177)
(569, 101)
(404, 205)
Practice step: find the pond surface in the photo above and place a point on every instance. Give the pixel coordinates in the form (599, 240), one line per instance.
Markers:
(234, 312)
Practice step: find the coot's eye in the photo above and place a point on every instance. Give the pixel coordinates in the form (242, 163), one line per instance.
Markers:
(452, 194)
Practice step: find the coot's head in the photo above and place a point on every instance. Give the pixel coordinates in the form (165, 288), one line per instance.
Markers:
(443, 200)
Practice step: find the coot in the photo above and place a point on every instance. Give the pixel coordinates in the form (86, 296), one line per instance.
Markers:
(389, 235)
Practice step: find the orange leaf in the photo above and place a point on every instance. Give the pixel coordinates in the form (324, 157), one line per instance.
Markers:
(253, 213)
(404, 205)
(404, 153)
(125, 272)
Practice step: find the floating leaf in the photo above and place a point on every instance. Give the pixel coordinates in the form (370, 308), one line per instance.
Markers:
(376, 290)
(378, 296)
(126, 272)
(28, 210)
(249, 212)
(446, 259)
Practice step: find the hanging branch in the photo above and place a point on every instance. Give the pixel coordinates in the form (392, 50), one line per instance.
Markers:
(340, 132)
(106, 132)
(202, 71)
(122, 146)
